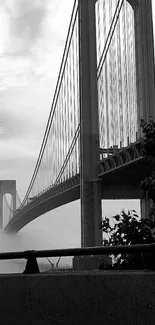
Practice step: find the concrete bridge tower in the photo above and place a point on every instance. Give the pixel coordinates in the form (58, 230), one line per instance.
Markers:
(145, 69)
(7, 187)
(90, 191)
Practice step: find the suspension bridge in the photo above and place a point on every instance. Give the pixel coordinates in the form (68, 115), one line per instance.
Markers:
(92, 142)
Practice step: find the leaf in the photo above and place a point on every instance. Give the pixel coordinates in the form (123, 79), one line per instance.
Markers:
(117, 217)
(105, 242)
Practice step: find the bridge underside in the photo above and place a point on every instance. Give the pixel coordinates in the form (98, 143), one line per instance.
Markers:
(118, 183)
(123, 182)
(20, 220)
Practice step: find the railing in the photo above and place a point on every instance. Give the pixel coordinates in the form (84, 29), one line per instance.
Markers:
(31, 255)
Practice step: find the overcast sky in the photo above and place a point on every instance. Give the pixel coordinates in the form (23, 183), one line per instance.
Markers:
(32, 38)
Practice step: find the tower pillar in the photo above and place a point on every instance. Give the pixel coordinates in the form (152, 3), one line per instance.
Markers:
(90, 189)
(145, 67)
(7, 187)
(145, 71)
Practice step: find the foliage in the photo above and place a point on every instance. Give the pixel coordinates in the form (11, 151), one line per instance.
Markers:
(148, 147)
(128, 229)
(148, 151)
(148, 185)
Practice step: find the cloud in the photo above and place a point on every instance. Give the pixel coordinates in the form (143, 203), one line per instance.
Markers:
(29, 69)
(33, 39)
(15, 73)
(13, 126)
(21, 28)
(26, 27)
(24, 18)
(4, 26)
(31, 48)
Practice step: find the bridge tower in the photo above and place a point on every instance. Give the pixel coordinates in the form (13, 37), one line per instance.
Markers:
(7, 187)
(145, 69)
(90, 191)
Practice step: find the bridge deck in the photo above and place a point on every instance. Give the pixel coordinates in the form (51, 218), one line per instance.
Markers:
(120, 177)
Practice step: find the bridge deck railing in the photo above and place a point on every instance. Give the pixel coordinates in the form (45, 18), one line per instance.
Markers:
(31, 255)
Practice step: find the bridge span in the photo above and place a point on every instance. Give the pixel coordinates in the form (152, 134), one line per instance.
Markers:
(119, 179)
(105, 87)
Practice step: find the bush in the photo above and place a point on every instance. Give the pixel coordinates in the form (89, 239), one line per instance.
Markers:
(148, 147)
(128, 229)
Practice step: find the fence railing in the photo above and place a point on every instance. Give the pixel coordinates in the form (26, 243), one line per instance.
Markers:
(31, 255)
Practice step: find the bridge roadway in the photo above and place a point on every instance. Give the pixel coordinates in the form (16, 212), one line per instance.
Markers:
(120, 175)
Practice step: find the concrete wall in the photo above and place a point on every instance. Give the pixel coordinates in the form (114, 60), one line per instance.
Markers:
(107, 298)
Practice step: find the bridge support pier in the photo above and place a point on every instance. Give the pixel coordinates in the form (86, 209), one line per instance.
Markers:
(90, 187)
(144, 46)
(7, 187)
(145, 206)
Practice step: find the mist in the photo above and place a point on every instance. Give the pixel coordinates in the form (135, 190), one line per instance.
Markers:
(57, 229)
(14, 243)
(10, 243)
